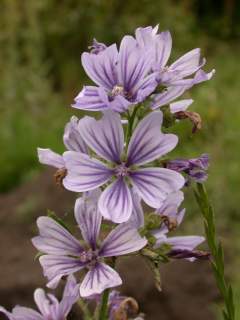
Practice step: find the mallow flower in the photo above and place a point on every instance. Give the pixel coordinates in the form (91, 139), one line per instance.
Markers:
(122, 166)
(176, 77)
(48, 305)
(65, 255)
(122, 77)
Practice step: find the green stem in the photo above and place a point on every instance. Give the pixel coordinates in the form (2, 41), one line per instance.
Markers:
(131, 119)
(85, 310)
(216, 252)
(103, 313)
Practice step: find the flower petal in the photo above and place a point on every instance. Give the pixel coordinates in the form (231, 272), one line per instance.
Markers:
(154, 184)
(188, 63)
(42, 302)
(70, 296)
(162, 50)
(168, 95)
(8, 314)
(122, 240)
(72, 138)
(171, 204)
(180, 105)
(84, 173)
(145, 87)
(182, 243)
(23, 313)
(134, 63)
(201, 76)
(145, 36)
(101, 68)
(98, 279)
(104, 136)
(119, 104)
(137, 218)
(147, 142)
(89, 220)
(115, 203)
(91, 98)
(55, 239)
(55, 267)
(47, 156)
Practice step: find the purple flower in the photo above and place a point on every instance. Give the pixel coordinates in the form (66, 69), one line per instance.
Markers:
(194, 168)
(49, 307)
(65, 255)
(72, 141)
(97, 47)
(106, 138)
(122, 77)
(178, 76)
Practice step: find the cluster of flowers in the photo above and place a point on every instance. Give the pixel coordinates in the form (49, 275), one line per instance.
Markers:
(114, 163)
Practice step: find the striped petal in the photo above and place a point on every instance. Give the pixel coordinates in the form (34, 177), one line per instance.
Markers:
(72, 138)
(98, 279)
(89, 220)
(83, 172)
(168, 95)
(115, 203)
(23, 313)
(55, 267)
(154, 184)
(51, 158)
(147, 142)
(101, 68)
(55, 239)
(122, 240)
(104, 136)
(91, 98)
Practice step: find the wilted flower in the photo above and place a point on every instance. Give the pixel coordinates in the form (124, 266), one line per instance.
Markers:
(106, 138)
(65, 255)
(122, 77)
(194, 168)
(49, 307)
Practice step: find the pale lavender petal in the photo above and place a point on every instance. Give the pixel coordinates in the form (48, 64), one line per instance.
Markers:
(162, 50)
(83, 172)
(122, 240)
(7, 313)
(42, 302)
(155, 184)
(147, 142)
(98, 279)
(182, 243)
(70, 296)
(91, 98)
(188, 63)
(55, 239)
(180, 105)
(55, 267)
(104, 136)
(23, 313)
(101, 68)
(133, 63)
(89, 220)
(201, 76)
(168, 95)
(171, 204)
(145, 36)
(72, 138)
(119, 104)
(137, 217)
(47, 156)
(145, 87)
(115, 202)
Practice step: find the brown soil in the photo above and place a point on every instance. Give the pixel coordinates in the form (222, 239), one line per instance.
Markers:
(188, 288)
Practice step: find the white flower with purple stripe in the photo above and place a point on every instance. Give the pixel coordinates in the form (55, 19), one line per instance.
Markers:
(64, 254)
(49, 307)
(123, 167)
(122, 77)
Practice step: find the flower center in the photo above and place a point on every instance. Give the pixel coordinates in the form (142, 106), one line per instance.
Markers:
(117, 90)
(122, 170)
(89, 257)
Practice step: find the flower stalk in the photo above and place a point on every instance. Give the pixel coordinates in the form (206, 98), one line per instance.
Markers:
(103, 313)
(215, 246)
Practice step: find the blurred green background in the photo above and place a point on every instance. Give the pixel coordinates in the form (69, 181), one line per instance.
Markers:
(40, 74)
